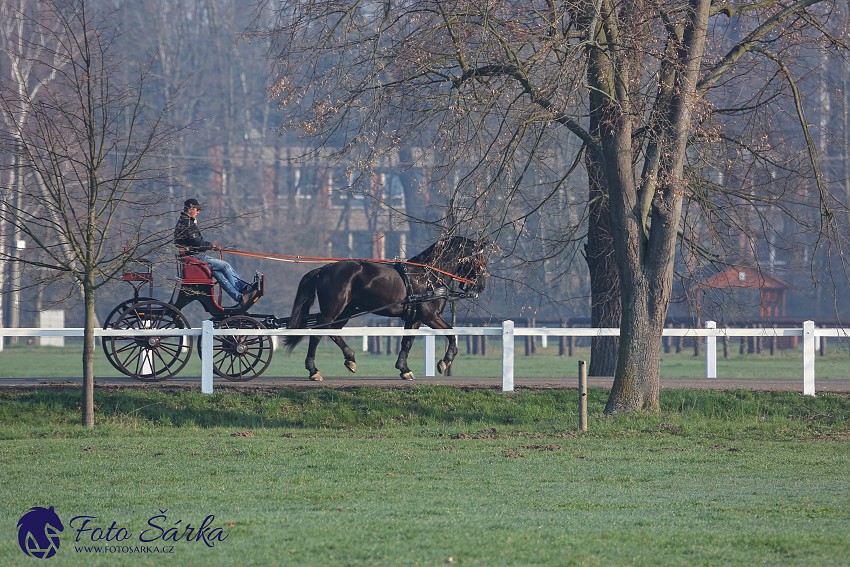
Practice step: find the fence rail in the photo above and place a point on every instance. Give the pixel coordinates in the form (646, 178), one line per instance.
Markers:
(507, 332)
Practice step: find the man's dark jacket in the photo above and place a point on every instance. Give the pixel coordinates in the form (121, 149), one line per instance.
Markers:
(187, 235)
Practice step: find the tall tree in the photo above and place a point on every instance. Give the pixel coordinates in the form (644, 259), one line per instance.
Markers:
(86, 158)
(18, 60)
(643, 86)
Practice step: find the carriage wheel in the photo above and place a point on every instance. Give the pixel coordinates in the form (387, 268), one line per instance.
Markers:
(109, 323)
(154, 357)
(240, 358)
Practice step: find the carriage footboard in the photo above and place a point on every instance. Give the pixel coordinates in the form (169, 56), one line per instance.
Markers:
(283, 322)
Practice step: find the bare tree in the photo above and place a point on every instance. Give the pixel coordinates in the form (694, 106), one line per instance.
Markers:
(18, 56)
(645, 90)
(86, 152)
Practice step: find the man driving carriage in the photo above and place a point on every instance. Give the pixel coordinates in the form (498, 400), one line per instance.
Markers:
(187, 236)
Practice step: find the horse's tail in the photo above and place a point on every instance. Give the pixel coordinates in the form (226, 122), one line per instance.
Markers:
(301, 307)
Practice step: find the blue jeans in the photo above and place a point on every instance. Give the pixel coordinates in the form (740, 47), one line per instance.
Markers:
(226, 276)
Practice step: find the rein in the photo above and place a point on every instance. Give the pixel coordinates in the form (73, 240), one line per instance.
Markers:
(321, 260)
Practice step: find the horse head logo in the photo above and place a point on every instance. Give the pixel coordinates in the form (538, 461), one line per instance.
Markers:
(38, 532)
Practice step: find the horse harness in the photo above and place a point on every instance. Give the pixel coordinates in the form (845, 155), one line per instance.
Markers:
(433, 292)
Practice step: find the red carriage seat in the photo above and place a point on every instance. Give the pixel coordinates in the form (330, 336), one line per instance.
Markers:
(192, 271)
(138, 277)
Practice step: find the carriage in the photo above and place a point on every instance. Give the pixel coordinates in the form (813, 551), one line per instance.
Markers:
(152, 358)
(416, 291)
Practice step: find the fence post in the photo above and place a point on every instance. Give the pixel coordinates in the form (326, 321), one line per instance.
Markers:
(582, 395)
(711, 351)
(508, 356)
(207, 357)
(430, 353)
(809, 346)
(562, 341)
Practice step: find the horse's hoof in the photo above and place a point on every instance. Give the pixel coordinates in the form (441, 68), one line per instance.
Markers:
(408, 376)
(316, 377)
(351, 365)
(442, 366)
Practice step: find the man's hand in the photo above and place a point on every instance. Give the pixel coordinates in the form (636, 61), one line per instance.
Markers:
(215, 246)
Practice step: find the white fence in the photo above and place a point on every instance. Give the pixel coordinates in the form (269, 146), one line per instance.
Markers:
(507, 332)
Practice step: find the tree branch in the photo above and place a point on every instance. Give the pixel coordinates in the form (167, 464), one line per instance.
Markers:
(749, 43)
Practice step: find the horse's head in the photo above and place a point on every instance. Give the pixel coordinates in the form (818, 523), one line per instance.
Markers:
(474, 273)
(464, 258)
(472, 267)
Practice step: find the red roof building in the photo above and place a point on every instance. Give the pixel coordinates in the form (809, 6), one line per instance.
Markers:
(772, 289)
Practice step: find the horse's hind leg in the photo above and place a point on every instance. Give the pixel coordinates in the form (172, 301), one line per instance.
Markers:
(350, 363)
(310, 361)
(404, 351)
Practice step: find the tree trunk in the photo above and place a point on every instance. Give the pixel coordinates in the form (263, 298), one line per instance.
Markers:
(645, 217)
(638, 382)
(3, 264)
(605, 305)
(414, 197)
(88, 354)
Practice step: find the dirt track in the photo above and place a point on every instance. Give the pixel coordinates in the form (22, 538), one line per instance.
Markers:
(777, 385)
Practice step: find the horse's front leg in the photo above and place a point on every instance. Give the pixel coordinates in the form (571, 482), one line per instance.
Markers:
(444, 366)
(437, 322)
(404, 351)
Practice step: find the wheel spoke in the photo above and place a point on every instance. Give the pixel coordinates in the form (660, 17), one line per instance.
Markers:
(241, 357)
(150, 357)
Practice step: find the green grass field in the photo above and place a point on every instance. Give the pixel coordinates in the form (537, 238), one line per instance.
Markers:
(430, 476)
(54, 362)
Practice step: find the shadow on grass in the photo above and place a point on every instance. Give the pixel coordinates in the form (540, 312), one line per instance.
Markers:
(377, 407)
(322, 408)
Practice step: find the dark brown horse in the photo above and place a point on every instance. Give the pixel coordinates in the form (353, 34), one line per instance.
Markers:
(416, 290)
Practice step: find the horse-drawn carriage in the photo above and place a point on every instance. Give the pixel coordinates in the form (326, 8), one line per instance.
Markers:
(415, 290)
